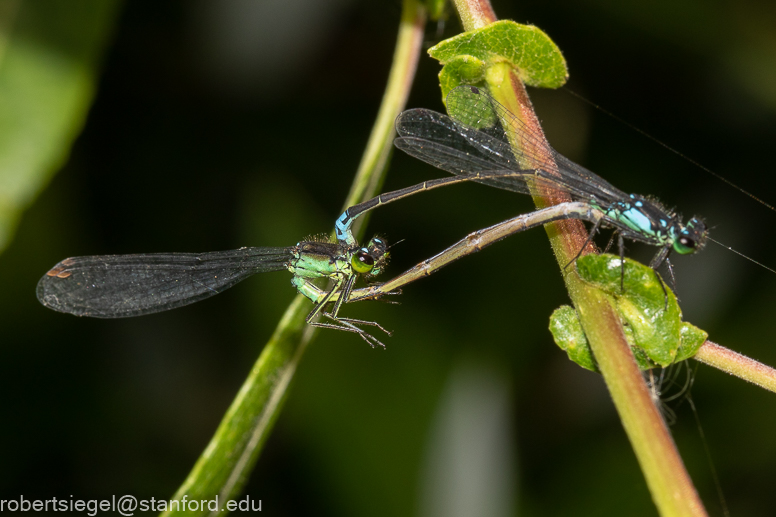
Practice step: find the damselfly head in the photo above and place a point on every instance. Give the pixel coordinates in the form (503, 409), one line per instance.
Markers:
(371, 259)
(691, 237)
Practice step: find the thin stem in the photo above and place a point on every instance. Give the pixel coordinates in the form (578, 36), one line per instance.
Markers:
(737, 364)
(475, 13)
(668, 481)
(226, 463)
(374, 163)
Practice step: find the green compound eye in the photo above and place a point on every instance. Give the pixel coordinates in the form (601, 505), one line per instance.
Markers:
(684, 245)
(691, 238)
(362, 262)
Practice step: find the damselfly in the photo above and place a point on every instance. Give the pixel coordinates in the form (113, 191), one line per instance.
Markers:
(472, 143)
(119, 286)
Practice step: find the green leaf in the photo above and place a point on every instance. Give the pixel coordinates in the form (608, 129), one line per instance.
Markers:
(652, 323)
(691, 341)
(534, 56)
(651, 316)
(49, 54)
(646, 304)
(568, 335)
(461, 70)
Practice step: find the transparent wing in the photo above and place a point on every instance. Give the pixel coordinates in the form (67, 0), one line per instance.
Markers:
(455, 161)
(119, 286)
(473, 140)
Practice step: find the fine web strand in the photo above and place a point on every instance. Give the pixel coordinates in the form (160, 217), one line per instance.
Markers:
(742, 255)
(668, 147)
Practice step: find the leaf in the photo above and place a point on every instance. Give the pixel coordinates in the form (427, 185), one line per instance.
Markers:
(653, 324)
(691, 341)
(534, 56)
(651, 312)
(461, 70)
(49, 53)
(568, 335)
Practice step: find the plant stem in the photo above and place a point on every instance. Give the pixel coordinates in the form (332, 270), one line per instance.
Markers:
(475, 13)
(737, 364)
(374, 163)
(668, 481)
(227, 461)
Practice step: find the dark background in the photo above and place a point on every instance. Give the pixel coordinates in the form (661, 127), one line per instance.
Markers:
(225, 124)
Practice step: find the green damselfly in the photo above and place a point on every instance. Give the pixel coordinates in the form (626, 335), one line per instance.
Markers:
(119, 286)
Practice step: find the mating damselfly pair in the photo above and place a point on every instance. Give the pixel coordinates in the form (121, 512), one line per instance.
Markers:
(473, 144)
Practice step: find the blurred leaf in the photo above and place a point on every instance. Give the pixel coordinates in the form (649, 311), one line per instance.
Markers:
(537, 59)
(435, 8)
(49, 52)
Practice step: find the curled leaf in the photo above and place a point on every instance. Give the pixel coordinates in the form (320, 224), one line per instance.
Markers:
(651, 316)
(536, 58)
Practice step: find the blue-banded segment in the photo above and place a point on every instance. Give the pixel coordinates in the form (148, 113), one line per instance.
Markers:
(645, 220)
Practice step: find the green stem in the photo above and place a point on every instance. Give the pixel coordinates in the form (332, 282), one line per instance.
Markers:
(229, 458)
(668, 481)
(370, 174)
(475, 13)
(737, 364)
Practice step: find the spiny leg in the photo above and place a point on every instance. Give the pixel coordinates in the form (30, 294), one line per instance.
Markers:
(657, 260)
(345, 287)
(319, 309)
(359, 322)
(590, 237)
(611, 241)
(348, 324)
(342, 323)
(344, 295)
(671, 273)
(663, 287)
(325, 299)
(621, 246)
(348, 327)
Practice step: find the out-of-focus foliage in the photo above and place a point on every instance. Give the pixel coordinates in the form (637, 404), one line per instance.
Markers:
(240, 123)
(49, 57)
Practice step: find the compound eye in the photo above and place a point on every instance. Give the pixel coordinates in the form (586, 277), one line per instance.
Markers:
(685, 245)
(362, 262)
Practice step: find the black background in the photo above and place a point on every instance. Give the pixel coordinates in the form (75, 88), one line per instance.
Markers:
(224, 124)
